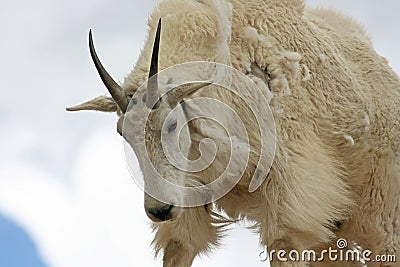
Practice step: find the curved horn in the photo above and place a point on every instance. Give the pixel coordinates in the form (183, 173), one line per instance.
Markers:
(153, 94)
(115, 90)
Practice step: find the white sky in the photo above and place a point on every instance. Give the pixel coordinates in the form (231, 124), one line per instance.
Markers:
(63, 176)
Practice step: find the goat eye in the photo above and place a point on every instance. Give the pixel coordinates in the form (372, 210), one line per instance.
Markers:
(132, 103)
(172, 127)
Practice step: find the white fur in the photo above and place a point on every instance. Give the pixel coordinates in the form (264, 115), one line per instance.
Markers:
(338, 131)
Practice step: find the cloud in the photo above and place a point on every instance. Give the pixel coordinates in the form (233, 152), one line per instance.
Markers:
(98, 218)
(46, 66)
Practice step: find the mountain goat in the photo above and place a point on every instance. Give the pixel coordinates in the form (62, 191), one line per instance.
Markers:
(334, 128)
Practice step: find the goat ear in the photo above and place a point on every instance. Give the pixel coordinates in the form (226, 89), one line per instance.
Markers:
(186, 90)
(101, 103)
(193, 88)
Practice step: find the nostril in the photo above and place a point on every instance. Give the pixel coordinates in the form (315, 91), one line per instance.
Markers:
(163, 213)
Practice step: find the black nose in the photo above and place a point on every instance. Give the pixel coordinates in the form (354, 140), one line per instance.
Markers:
(163, 214)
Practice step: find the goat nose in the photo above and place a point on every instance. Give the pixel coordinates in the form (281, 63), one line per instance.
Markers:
(160, 214)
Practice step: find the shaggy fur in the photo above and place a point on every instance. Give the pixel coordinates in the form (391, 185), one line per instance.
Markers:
(336, 104)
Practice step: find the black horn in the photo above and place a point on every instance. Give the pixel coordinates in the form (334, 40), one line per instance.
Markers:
(115, 90)
(153, 93)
